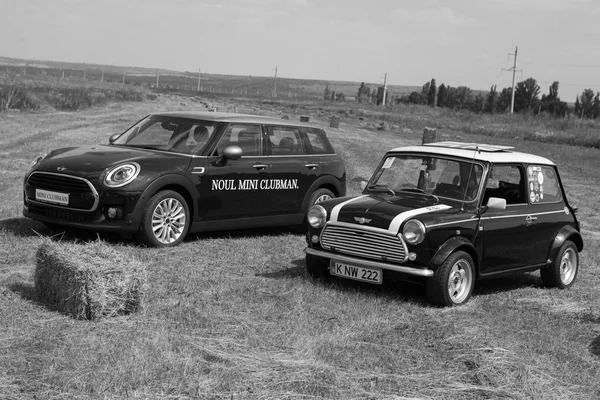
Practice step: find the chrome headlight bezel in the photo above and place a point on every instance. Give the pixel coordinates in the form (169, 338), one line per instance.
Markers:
(36, 161)
(114, 179)
(316, 216)
(414, 232)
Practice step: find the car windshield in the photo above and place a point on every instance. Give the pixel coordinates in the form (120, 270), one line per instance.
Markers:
(173, 134)
(441, 177)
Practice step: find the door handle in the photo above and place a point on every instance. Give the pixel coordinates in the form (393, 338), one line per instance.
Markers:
(260, 166)
(311, 166)
(529, 219)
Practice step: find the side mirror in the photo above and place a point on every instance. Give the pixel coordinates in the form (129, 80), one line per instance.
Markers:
(496, 203)
(363, 184)
(229, 153)
(113, 137)
(232, 152)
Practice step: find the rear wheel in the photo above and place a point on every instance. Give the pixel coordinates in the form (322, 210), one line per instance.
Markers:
(316, 267)
(165, 221)
(452, 283)
(564, 268)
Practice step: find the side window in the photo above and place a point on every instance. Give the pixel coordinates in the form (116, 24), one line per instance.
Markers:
(506, 182)
(285, 141)
(247, 137)
(542, 185)
(316, 142)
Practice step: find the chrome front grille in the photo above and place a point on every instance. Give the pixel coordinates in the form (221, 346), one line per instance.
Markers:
(356, 240)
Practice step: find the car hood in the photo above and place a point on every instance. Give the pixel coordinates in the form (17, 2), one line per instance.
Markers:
(389, 213)
(92, 160)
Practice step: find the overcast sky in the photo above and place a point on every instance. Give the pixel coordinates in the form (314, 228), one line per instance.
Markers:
(459, 42)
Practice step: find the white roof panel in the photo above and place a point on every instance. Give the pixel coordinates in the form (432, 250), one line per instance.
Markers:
(481, 152)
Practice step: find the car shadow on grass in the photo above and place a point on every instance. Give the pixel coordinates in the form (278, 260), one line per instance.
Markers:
(245, 233)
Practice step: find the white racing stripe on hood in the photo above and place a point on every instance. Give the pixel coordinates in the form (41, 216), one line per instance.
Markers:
(335, 212)
(400, 218)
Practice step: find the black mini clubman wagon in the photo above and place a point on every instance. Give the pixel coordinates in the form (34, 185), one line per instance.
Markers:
(449, 213)
(175, 172)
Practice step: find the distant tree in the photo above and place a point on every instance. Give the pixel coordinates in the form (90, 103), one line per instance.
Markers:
(504, 99)
(585, 108)
(477, 103)
(442, 96)
(551, 103)
(333, 95)
(431, 94)
(527, 95)
(364, 93)
(463, 96)
(596, 106)
(416, 98)
(451, 97)
(425, 89)
(340, 96)
(490, 100)
(327, 93)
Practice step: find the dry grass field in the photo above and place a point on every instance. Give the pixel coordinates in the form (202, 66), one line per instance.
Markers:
(230, 315)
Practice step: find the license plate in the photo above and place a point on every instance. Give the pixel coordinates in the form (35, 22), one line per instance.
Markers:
(371, 275)
(52, 197)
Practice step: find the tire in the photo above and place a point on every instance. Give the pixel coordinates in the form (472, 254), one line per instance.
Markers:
(453, 282)
(165, 221)
(318, 196)
(316, 267)
(563, 270)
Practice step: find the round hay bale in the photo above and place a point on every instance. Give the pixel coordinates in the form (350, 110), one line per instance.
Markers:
(88, 281)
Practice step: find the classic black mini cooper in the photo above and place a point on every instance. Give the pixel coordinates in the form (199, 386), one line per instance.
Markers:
(175, 172)
(449, 213)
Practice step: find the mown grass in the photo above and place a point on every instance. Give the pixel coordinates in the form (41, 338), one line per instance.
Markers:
(231, 315)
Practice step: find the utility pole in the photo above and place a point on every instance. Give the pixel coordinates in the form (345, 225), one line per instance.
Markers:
(514, 70)
(275, 85)
(199, 79)
(157, 75)
(384, 88)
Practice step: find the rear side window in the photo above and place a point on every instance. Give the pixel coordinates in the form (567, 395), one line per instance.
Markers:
(317, 142)
(542, 185)
(285, 141)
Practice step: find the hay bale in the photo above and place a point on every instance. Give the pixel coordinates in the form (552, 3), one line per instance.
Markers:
(334, 121)
(304, 118)
(429, 135)
(88, 281)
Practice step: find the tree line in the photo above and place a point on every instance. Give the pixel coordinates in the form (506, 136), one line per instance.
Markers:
(527, 99)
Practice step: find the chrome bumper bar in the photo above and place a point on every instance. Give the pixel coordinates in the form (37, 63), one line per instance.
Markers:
(425, 272)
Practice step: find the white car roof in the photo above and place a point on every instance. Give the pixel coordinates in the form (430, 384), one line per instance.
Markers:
(476, 151)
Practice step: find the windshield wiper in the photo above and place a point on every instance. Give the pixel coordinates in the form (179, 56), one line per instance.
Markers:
(419, 190)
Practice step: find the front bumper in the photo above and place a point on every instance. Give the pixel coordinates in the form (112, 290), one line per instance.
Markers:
(422, 272)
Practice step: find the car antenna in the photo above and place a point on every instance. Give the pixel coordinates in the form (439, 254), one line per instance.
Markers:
(462, 208)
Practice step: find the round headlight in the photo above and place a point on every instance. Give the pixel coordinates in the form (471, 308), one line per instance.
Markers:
(414, 231)
(121, 175)
(317, 216)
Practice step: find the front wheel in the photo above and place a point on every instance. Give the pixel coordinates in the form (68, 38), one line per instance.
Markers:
(563, 270)
(453, 282)
(165, 221)
(318, 196)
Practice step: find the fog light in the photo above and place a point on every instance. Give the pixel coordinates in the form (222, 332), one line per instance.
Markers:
(412, 256)
(114, 213)
(314, 239)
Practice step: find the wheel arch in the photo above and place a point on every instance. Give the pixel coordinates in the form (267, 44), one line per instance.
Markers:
(456, 243)
(176, 183)
(324, 182)
(564, 234)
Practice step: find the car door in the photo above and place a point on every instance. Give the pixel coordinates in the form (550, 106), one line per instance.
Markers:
(548, 211)
(292, 169)
(507, 234)
(234, 188)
